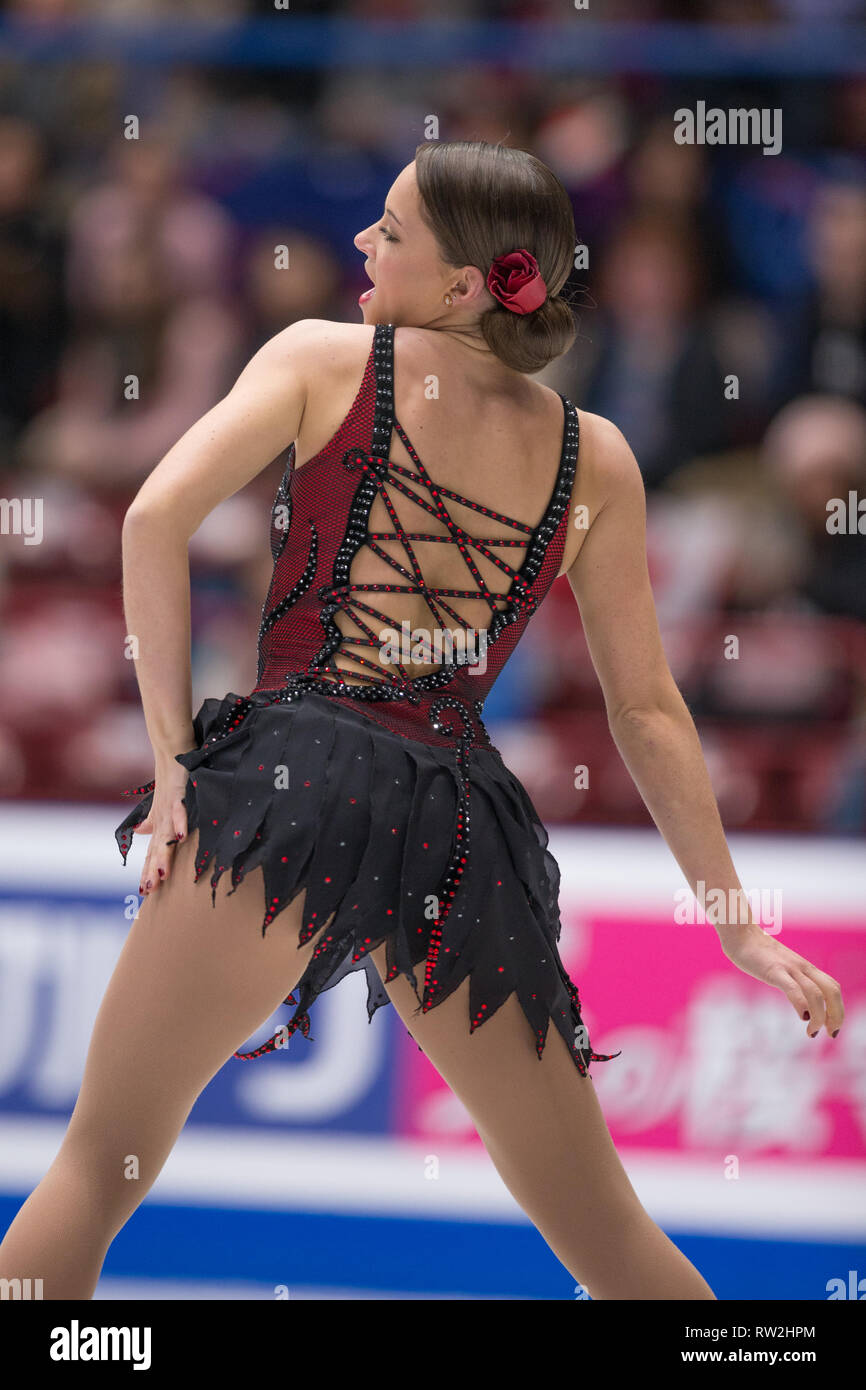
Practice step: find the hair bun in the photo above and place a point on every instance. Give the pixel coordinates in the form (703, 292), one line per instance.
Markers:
(528, 342)
(506, 212)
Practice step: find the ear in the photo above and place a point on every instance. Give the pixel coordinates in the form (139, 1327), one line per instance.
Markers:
(471, 288)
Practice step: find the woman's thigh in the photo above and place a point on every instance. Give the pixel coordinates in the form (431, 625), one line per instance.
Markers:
(539, 1118)
(193, 981)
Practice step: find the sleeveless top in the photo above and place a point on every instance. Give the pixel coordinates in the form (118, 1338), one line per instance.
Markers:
(320, 523)
(397, 753)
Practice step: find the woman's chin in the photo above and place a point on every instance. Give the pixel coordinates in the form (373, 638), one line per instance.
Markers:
(374, 311)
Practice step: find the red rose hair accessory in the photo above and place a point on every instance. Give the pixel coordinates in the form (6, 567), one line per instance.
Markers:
(516, 281)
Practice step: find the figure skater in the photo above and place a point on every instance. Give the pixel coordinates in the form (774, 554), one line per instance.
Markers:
(353, 800)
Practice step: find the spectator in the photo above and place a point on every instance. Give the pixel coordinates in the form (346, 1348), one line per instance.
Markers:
(646, 359)
(147, 266)
(33, 317)
(815, 450)
(824, 331)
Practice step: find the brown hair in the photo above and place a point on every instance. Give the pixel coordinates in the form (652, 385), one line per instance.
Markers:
(481, 201)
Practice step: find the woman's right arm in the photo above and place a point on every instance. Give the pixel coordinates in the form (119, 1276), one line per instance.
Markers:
(243, 433)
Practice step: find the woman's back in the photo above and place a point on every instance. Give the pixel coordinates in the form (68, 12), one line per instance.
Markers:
(431, 519)
(461, 431)
(495, 432)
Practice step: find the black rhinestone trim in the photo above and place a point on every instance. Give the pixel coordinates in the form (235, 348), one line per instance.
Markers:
(454, 702)
(359, 511)
(519, 602)
(278, 543)
(450, 884)
(297, 589)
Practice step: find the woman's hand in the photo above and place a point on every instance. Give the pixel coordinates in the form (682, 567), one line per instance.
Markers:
(816, 996)
(166, 822)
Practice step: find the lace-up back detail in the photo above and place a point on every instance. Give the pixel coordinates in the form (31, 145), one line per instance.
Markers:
(387, 584)
(398, 820)
(456, 620)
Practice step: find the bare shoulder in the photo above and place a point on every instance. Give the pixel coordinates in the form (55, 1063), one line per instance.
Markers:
(606, 462)
(608, 483)
(321, 344)
(323, 360)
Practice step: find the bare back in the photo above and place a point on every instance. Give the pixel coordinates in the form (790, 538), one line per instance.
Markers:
(493, 438)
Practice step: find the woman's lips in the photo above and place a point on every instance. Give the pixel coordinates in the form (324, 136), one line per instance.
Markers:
(368, 294)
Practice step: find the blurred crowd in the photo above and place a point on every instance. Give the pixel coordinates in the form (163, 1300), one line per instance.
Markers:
(739, 12)
(722, 327)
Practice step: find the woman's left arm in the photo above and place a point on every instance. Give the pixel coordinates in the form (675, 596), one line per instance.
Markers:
(651, 724)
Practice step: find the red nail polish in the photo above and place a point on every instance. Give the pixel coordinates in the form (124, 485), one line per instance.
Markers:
(836, 1034)
(161, 873)
(806, 1014)
(149, 882)
(814, 1035)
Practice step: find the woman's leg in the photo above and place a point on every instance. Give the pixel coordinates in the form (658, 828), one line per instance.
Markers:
(192, 983)
(542, 1126)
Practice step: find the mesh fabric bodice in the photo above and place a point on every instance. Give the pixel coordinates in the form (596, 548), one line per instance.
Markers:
(399, 820)
(425, 578)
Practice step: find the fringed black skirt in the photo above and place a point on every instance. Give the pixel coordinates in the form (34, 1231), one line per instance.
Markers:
(440, 857)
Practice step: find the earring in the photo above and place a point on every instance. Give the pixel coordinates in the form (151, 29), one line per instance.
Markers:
(449, 299)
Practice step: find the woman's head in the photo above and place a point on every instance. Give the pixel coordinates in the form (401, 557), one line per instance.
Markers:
(453, 210)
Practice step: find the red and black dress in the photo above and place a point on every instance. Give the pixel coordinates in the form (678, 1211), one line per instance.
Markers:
(386, 800)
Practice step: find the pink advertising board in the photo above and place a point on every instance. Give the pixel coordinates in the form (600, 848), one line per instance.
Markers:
(712, 1060)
